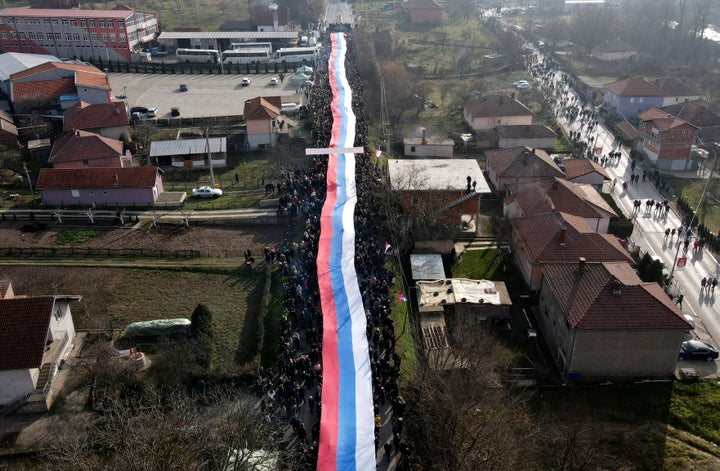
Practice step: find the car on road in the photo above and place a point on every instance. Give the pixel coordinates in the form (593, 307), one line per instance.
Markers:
(521, 84)
(183, 87)
(697, 350)
(274, 81)
(175, 111)
(206, 192)
(245, 81)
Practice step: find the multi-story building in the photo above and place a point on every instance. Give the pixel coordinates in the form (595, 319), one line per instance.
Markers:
(666, 140)
(109, 35)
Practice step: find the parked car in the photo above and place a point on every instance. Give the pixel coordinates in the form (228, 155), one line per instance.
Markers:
(183, 87)
(560, 163)
(151, 112)
(175, 111)
(139, 109)
(206, 192)
(697, 350)
(121, 97)
(245, 81)
(521, 84)
(274, 81)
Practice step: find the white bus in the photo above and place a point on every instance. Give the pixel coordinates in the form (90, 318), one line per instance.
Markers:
(249, 45)
(246, 56)
(296, 54)
(208, 56)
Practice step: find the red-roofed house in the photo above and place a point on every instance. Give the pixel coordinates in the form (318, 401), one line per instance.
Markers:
(666, 140)
(261, 117)
(425, 12)
(107, 119)
(585, 171)
(58, 85)
(578, 199)
(675, 91)
(99, 186)
(558, 237)
(632, 96)
(486, 112)
(36, 333)
(82, 149)
(601, 322)
(508, 168)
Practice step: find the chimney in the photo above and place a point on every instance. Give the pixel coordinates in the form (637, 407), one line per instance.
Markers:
(115, 179)
(563, 231)
(526, 154)
(581, 265)
(424, 140)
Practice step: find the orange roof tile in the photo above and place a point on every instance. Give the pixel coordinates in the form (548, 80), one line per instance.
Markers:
(83, 145)
(90, 116)
(262, 107)
(100, 177)
(24, 323)
(578, 167)
(522, 162)
(42, 89)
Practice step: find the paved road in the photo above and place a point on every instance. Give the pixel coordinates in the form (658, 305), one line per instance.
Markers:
(649, 235)
(207, 95)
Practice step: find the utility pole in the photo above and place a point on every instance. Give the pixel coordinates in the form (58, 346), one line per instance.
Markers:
(27, 175)
(209, 156)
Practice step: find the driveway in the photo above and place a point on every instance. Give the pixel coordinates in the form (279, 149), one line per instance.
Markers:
(207, 95)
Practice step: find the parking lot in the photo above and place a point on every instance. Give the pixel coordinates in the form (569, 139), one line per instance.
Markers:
(207, 95)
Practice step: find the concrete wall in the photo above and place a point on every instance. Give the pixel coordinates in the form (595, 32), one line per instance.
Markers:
(481, 123)
(16, 383)
(539, 142)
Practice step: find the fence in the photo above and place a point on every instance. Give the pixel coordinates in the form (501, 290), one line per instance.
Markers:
(200, 69)
(96, 251)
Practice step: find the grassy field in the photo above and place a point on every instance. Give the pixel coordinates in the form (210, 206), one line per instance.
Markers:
(691, 189)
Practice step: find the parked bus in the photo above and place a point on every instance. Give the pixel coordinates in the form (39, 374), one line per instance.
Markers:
(246, 56)
(250, 45)
(208, 56)
(296, 54)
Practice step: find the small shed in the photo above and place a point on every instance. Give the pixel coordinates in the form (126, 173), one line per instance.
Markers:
(191, 153)
(39, 149)
(428, 147)
(426, 266)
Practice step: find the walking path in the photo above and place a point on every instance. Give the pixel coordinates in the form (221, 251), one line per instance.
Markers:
(649, 232)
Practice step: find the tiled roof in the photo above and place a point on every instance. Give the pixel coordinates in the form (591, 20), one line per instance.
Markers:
(83, 145)
(92, 79)
(625, 127)
(522, 162)
(91, 116)
(695, 113)
(25, 12)
(673, 87)
(526, 131)
(559, 195)
(44, 89)
(262, 108)
(24, 324)
(100, 177)
(496, 105)
(541, 235)
(634, 87)
(578, 167)
(662, 120)
(57, 65)
(610, 296)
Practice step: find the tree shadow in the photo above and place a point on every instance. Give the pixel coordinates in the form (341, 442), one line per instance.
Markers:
(248, 341)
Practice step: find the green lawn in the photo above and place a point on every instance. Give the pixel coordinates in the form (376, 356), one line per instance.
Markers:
(405, 328)
(691, 189)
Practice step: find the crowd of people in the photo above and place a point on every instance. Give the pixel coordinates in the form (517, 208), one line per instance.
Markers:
(292, 390)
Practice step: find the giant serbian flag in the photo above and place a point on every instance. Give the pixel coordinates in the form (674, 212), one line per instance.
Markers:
(347, 440)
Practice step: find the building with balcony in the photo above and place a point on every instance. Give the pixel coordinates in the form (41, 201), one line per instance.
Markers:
(666, 140)
(108, 35)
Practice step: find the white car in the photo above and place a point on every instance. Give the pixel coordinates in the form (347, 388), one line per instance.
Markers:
(151, 111)
(245, 81)
(521, 84)
(274, 81)
(206, 192)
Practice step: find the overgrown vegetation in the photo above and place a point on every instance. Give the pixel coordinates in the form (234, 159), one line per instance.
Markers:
(75, 236)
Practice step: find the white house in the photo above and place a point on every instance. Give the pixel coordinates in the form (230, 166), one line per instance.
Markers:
(428, 147)
(36, 333)
(486, 112)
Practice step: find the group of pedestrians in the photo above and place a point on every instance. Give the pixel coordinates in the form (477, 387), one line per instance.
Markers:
(292, 390)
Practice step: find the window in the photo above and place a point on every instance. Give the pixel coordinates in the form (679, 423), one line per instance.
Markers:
(36, 21)
(412, 148)
(101, 23)
(55, 22)
(93, 36)
(22, 35)
(86, 162)
(122, 37)
(66, 22)
(415, 200)
(105, 193)
(104, 37)
(68, 37)
(86, 37)
(49, 36)
(2, 21)
(112, 37)
(31, 36)
(3, 35)
(121, 24)
(76, 36)
(58, 36)
(641, 99)
(73, 23)
(46, 21)
(91, 23)
(632, 100)
(13, 34)
(28, 21)
(110, 24)
(75, 193)
(83, 23)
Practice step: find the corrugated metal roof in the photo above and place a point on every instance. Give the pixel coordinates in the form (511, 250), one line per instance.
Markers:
(187, 146)
(13, 62)
(244, 35)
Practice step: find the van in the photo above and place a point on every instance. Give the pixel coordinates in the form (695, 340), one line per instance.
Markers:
(289, 108)
(303, 40)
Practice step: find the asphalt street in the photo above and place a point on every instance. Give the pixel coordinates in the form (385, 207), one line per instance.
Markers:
(649, 236)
